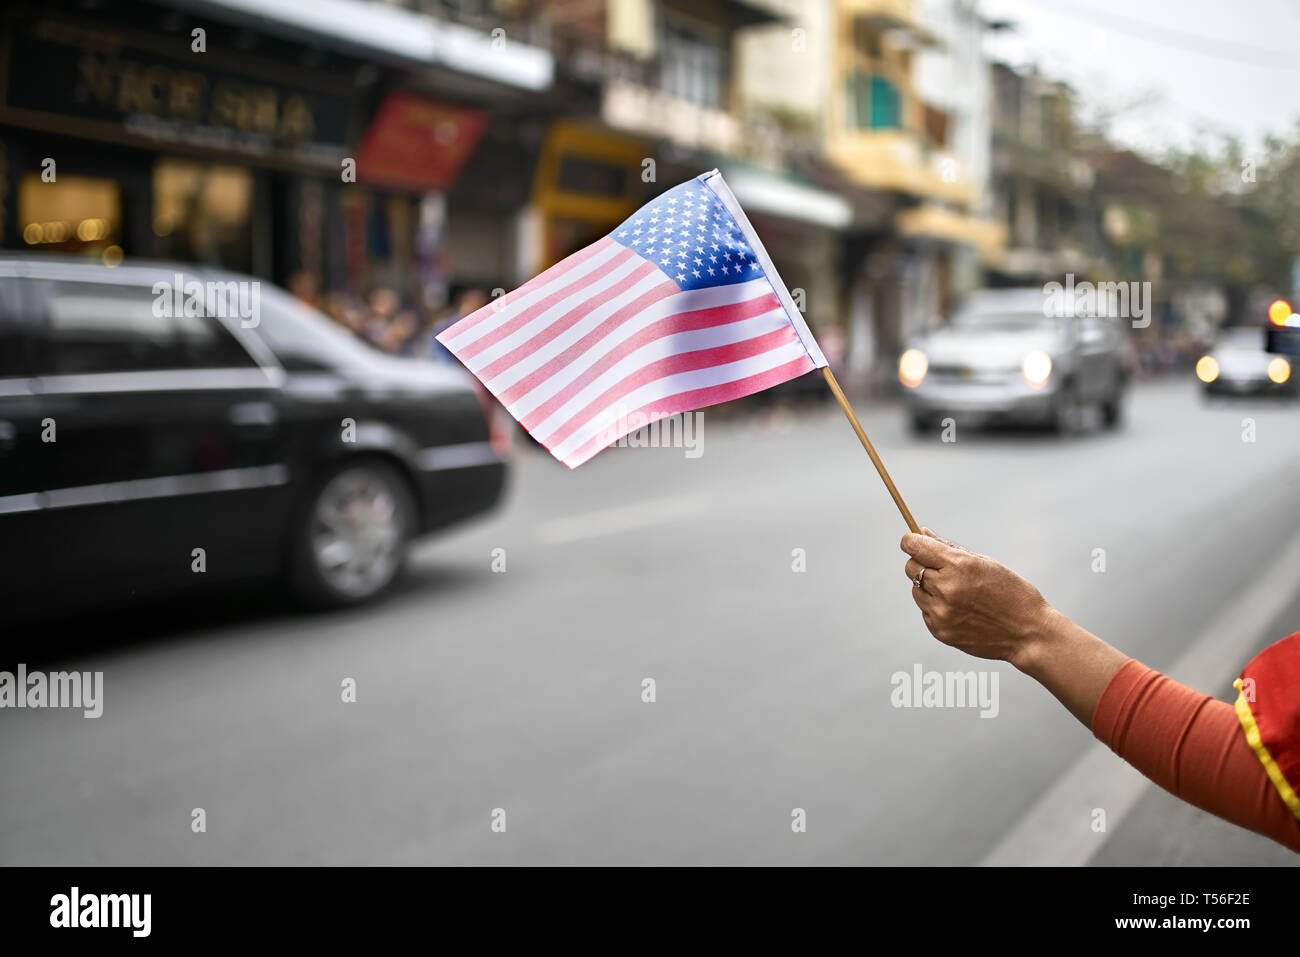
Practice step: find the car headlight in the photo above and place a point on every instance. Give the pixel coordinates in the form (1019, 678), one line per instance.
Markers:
(1279, 370)
(1037, 367)
(1207, 369)
(912, 366)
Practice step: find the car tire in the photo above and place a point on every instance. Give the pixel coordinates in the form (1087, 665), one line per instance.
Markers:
(918, 424)
(1112, 411)
(349, 543)
(1066, 410)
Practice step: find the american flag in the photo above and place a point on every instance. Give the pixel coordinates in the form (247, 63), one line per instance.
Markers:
(678, 308)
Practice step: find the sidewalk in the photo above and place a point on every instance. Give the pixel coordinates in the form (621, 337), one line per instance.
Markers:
(1162, 830)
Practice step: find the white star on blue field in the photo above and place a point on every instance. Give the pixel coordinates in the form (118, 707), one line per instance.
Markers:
(691, 237)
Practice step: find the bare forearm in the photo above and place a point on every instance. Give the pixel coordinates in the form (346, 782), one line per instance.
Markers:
(1186, 742)
(1070, 662)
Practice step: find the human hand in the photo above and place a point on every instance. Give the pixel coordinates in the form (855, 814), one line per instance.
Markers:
(972, 602)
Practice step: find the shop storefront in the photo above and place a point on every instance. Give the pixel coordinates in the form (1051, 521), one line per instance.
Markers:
(320, 171)
(119, 139)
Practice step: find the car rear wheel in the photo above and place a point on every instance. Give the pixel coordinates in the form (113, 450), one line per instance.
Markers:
(1112, 411)
(351, 540)
(1066, 410)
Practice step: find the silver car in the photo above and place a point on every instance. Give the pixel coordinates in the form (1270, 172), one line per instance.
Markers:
(1001, 359)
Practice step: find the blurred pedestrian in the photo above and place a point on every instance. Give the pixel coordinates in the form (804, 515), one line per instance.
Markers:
(1241, 763)
(383, 305)
(305, 286)
(467, 301)
(354, 316)
(400, 331)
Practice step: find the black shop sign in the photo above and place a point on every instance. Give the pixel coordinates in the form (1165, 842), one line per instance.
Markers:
(96, 83)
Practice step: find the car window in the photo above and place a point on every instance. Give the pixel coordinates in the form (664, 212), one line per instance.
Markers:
(1248, 339)
(91, 328)
(305, 340)
(1095, 329)
(14, 332)
(1004, 320)
(207, 344)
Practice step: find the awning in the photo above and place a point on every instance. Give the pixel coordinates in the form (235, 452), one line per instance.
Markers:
(891, 15)
(773, 195)
(471, 51)
(388, 33)
(871, 210)
(737, 14)
(932, 221)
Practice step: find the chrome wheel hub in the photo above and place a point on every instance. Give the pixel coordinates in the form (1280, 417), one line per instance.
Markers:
(356, 532)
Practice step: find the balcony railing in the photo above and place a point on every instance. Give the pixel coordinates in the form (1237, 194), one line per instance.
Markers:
(895, 159)
(889, 15)
(646, 111)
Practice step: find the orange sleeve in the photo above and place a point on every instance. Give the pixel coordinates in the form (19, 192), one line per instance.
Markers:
(1192, 746)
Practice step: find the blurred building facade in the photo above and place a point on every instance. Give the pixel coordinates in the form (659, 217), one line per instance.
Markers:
(892, 94)
(430, 145)
(1075, 205)
(278, 139)
(1042, 182)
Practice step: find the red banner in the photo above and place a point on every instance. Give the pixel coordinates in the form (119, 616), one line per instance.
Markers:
(418, 143)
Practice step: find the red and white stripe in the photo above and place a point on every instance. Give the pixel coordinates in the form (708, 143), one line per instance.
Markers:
(604, 342)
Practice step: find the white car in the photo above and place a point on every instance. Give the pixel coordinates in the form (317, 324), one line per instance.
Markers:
(1237, 364)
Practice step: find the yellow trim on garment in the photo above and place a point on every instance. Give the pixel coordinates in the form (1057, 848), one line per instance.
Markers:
(1256, 742)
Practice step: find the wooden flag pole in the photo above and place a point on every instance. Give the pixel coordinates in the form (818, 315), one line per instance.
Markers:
(871, 450)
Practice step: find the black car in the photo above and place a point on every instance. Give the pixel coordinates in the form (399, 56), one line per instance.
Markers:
(162, 425)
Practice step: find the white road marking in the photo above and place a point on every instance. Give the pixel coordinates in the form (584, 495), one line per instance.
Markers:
(1057, 829)
(623, 518)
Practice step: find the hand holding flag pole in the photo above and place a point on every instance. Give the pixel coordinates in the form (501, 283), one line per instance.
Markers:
(678, 308)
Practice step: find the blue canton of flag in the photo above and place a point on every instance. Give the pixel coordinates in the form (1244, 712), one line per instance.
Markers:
(691, 237)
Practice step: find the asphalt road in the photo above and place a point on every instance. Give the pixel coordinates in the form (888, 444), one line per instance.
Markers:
(522, 689)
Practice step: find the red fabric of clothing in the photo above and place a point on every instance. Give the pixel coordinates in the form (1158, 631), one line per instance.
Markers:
(1273, 697)
(1192, 746)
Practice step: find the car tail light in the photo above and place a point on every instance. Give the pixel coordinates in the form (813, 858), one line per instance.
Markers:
(1279, 312)
(500, 425)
